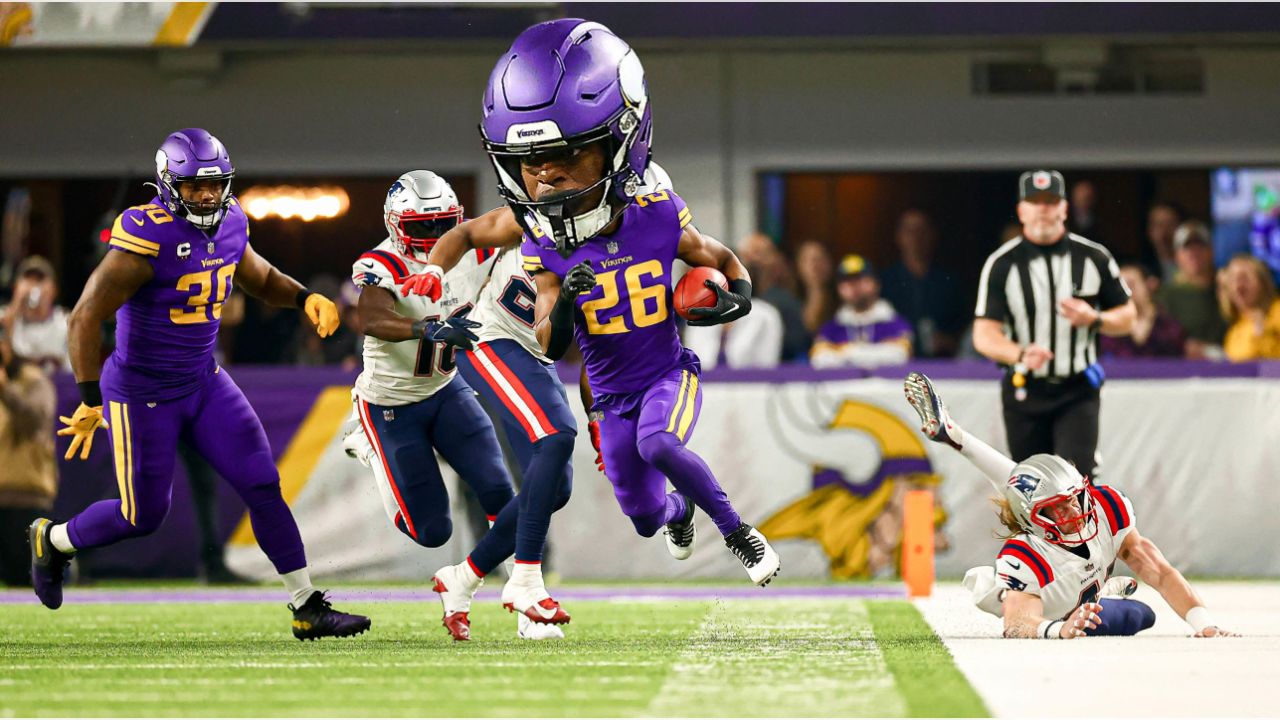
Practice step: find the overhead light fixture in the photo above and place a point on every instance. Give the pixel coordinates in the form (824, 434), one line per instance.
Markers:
(288, 202)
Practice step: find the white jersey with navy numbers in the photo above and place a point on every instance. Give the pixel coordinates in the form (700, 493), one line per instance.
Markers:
(505, 305)
(1062, 579)
(398, 373)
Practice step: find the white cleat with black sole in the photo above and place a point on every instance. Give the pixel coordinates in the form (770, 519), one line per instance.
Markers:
(681, 534)
(753, 550)
(935, 423)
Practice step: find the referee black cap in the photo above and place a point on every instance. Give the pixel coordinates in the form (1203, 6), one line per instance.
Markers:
(1035, 184)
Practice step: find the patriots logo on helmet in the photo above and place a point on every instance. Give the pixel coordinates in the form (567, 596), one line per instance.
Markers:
(1025, 484)
(395, 188)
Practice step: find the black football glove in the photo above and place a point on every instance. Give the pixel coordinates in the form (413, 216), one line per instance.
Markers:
(580, 279)
(730, 304)
(455, 331)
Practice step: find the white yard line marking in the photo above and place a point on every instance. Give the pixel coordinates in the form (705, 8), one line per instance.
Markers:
(802, 658)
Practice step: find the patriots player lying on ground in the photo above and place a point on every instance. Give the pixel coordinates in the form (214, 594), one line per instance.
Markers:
(1059, 550)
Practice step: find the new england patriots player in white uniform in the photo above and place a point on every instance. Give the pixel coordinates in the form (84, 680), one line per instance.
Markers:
(409, 399)
(1052, 578)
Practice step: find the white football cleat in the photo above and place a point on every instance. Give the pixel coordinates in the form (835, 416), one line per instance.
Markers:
(457, 584)
(935, 423)
(681, 533)
(1119, 587)
(527, 629)
(356, 445)
(757, 556)
(524, 593)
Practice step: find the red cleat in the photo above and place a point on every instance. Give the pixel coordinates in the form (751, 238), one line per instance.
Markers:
(546, 611)
(458, 625)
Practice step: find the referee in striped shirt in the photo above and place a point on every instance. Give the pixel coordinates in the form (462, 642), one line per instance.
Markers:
(1042, 300)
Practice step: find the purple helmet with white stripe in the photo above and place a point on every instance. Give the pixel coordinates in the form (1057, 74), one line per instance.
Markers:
(194, 155)
(566, 84)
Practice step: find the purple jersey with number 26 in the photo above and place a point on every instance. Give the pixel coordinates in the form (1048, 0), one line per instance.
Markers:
(166, 332)
(625, 326)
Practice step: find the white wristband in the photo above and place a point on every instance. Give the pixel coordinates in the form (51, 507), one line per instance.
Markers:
(1198, 618)
(1050, 630)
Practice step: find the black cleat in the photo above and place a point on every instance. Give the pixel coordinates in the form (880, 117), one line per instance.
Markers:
(317, 618)
(680, 533)
(48, 564)
(758, 558)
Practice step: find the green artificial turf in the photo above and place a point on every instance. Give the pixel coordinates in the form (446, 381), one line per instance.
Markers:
(822, 657)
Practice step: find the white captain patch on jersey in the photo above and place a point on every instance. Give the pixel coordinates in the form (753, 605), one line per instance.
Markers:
(397, 373)
(1061, 578)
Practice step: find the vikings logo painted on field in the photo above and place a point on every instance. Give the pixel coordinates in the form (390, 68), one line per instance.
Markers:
(1025, 484)
(854, 517)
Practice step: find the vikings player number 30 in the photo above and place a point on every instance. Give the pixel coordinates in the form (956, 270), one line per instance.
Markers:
(173, 264)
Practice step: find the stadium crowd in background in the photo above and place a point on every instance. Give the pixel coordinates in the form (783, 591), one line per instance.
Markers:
(28, 471)
(1247, 294)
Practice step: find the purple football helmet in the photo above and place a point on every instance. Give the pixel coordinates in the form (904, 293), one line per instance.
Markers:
(565, 84)
(189, 155)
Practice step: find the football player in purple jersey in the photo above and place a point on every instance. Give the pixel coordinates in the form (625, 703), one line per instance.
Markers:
(567, 124)
(174, 264)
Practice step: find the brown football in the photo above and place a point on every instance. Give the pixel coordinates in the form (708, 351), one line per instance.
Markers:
(692, 291)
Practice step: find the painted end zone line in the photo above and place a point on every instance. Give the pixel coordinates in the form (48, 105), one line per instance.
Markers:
(616, 594)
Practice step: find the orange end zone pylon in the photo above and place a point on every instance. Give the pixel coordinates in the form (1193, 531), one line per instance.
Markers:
(917, 543)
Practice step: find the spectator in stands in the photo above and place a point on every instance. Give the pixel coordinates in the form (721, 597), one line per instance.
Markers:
(28, 470)
(1163, 220)
(776, 284)
(814, 266)
(1249, 304)
(1155, 333)
(1191, 298)
(1083, 219)
(927, 296)
(35, 324)
(866, 331)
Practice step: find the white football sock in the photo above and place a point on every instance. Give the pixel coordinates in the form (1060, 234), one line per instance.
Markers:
(298, 583)
(60, 539)
(527, 574)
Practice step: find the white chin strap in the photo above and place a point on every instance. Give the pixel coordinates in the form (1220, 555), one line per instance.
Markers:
(204, 222)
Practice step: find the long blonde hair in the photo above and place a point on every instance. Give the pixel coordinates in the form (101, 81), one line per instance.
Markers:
(1230, 312)
(1008, 520)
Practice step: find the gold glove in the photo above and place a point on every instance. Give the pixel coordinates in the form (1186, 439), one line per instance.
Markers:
(323, 314)
(81, 427)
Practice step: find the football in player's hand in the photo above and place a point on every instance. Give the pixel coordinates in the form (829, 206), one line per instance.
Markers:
(692, 291)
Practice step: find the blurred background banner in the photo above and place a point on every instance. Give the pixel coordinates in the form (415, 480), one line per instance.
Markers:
(821, 461)
(102, 24)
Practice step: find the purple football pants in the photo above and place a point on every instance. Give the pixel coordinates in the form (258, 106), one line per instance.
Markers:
(642, 438)
(217, 422)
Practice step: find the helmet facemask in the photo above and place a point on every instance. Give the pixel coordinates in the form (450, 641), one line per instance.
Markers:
(208, 216)
(552, 216)
(1068, 519)
(415, 233)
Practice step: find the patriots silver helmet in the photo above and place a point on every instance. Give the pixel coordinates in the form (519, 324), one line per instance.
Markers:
(420, 207)
(1051, 499)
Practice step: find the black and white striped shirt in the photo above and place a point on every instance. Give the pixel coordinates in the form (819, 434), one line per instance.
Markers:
(1023, 283)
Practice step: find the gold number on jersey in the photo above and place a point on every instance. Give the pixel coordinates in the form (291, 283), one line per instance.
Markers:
(200, 285)
(644, 200)
(158, 214)
(640, 295)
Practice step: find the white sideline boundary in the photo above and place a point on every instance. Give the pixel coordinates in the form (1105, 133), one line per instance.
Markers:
(1162, 672)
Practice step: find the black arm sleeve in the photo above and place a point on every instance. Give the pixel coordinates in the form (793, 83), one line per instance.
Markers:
(561, 320)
